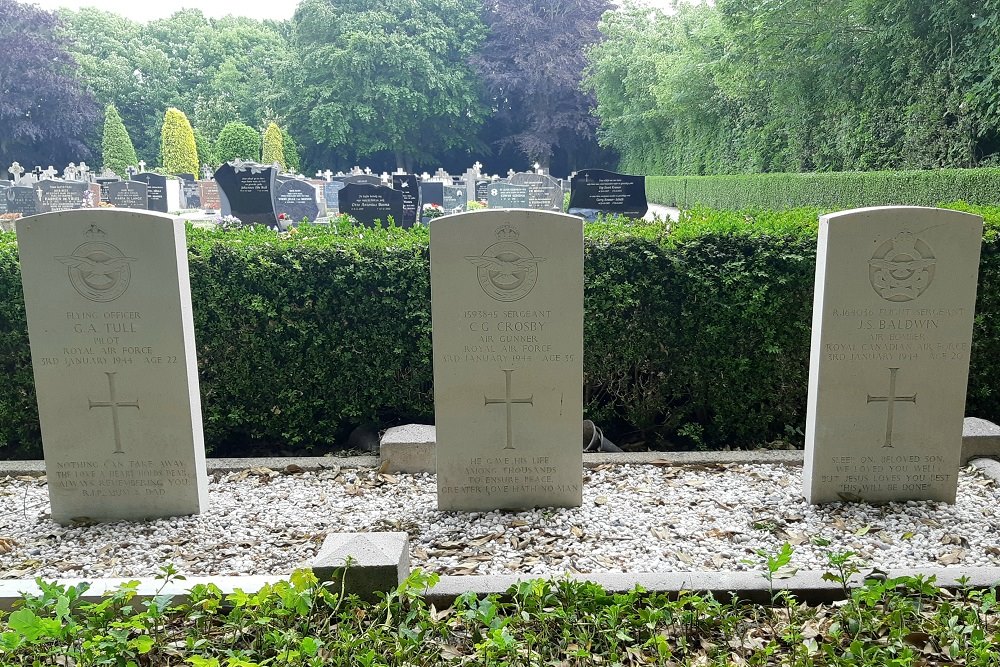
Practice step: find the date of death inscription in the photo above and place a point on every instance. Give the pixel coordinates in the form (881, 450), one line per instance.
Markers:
(508, 336)
(104, 338)
(894, 334)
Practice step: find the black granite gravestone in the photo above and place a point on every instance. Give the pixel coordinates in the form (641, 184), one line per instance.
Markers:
(4, 184)
(432, 193)
(104, 182)
(190, 192)
(363, 179)
(245, 190)
(454, 199)
(370, 203)
(594, 191)
(156, 190)
(543, 191)
(482, 189)
(296, 200)
(21, 199)
(505, 195)
(60, 195)
(410, 187)
(128, 194)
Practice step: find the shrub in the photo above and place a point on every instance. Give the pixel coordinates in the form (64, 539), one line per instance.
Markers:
(272, 148)
(292, 160)
(206, 151)
(178, 151)
(237, 140)
(117, 151)
(830, 190)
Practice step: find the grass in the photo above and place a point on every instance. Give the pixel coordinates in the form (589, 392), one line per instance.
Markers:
(884, 622)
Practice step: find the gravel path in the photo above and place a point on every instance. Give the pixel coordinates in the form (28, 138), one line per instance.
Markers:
(634, 518)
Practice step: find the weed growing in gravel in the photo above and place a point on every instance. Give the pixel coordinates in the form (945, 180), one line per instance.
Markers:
(901, 621)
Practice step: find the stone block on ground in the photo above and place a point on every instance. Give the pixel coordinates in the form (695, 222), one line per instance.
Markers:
(363, 563)
(409, 448)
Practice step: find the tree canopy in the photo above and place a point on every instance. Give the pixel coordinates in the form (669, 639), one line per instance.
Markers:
(117, 152)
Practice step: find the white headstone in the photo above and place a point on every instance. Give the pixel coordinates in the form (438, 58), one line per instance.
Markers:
(108, 306)
(889, 365)
(507, 309)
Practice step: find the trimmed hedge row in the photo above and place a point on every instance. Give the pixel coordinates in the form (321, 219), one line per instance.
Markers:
(699, 338)
(828, 190)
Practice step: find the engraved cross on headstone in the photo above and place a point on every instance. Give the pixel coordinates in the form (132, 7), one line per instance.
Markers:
(509, 402)
(114, 404)
(891, 399)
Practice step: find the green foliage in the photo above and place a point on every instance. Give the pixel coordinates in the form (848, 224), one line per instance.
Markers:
(698, 337)
(237, 140)
(386, 75)
(886, 622)
(292, 160)
(206, 150)
(116, 146)
(273, 149)
(741, 86)
(833, 191)
(178, 151)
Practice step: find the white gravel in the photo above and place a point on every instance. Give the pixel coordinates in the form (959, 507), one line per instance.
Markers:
(633, 519)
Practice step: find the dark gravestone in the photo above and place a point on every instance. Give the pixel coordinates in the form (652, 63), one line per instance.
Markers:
(3, 195)
(104, 182)
(369, 203)
(331, 192)
(505, 195)
(432, 193)
(482, 190)
(22, 199)
(208, 192)
(455, 199)
(596, 191)
(363, 179)
(190, 192)
(245, 190)
(543, 191)
(297, 200)
(156, 190)
(410, 187)
(128, 194)
(60, 195)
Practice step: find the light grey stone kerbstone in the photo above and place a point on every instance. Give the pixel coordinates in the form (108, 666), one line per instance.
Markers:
(363, 563)
(889, 362)
(507, 319)
(109, 315)
(979, 438)
(408, 448)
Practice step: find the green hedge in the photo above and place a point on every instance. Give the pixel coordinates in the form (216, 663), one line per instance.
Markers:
(698, 338)
(829, 190)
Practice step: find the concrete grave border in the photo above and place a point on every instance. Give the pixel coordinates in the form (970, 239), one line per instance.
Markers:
(382, 559)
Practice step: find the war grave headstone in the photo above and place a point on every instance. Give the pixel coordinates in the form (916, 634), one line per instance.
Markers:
(505, 195)
(371, 203)
(22, 199)
(245, 191)
(208, 192)
(128, 194)
(331, 193)
(156, 191)
(507, 330)
(109, 315)
(594, 191)
(543, 190)
(296, 199)
(889, 362)
(454, 199)
(60, 195)
(410, 187)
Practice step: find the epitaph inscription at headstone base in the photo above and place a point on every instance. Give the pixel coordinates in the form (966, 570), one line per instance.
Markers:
(889, 363)
(109, 316)
(594, 191)
(128, 194)
(507, 322)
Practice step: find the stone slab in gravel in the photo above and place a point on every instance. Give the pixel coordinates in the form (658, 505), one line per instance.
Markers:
(636, 519)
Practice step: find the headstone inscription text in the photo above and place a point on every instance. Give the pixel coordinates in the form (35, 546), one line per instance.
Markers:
(889, 363)
(110, 325)
(507, 311)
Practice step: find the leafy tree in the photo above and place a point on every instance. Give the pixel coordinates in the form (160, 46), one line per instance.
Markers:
(44, 111)
(179, 153)
(237, 140)
(272, 150)
(532, 64)
(117, 151)
(385, 75)
(292, 160)
(206, 151)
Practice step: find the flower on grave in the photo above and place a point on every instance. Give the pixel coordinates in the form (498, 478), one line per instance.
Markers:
(432, 211)
(227, 221)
